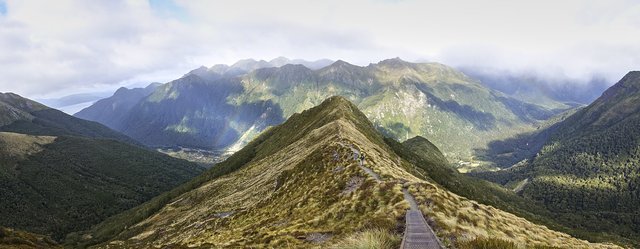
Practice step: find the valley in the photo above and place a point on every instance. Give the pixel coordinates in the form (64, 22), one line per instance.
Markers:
(360, 124)
(205, 158)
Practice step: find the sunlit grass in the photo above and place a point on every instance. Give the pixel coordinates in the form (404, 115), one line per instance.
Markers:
(369, 239)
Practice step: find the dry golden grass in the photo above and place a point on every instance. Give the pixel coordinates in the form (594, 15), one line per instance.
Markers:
(20, 145)
(369, 239)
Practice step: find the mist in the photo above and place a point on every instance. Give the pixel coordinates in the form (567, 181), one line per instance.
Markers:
(69, 47)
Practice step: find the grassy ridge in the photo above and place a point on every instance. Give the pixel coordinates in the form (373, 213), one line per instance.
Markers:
(261, 147)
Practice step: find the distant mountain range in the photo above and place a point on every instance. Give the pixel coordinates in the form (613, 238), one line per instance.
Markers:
(60, 174)
(73, 103)
(223, 107)
(540, 90)
(588, 167)
(323, 178)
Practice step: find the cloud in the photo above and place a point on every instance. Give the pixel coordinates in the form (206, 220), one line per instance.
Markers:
(3, 8)
(69, 46)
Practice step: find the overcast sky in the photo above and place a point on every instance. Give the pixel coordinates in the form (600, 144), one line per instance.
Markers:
(50, 48)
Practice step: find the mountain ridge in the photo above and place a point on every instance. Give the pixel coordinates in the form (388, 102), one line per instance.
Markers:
(403, 99)
(307, 189)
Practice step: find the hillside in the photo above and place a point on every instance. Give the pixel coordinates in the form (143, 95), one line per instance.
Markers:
(21, 115)
(112, 110)
(298, 185)
(587, 171)
(402, 99)
(61, 174)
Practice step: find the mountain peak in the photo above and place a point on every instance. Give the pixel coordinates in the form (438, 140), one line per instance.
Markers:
(337, 101)
(394, 62)
(21, 103)
(628, 85)
(341, 64)
(632, 78)
(121, 90)
(244, 62)
(279, 61)
(153, 85)
(294, 67)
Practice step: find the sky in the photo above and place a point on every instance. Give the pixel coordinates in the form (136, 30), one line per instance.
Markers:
(55, 48)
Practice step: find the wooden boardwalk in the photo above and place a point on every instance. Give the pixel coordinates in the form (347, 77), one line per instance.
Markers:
(417, 234)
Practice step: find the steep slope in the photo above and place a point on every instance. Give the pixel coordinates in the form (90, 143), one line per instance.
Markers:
(588, 171)
(111, 111)
(301, 184)
(25, 116)
(193, 112)
(62, 174)
(403, 100)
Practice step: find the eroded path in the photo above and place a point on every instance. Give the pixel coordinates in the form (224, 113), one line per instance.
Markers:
(361, 161)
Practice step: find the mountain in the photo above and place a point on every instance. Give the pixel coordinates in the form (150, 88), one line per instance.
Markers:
(61, 174)
(192, 112)
(247, 65)
(75, 102)
(588, 168)
(25, 116)
(323, 178)
(112, 110)
(403, 99)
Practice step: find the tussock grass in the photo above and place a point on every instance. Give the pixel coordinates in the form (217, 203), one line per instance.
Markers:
(495, 243)
(375, 238)
(484, 243)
